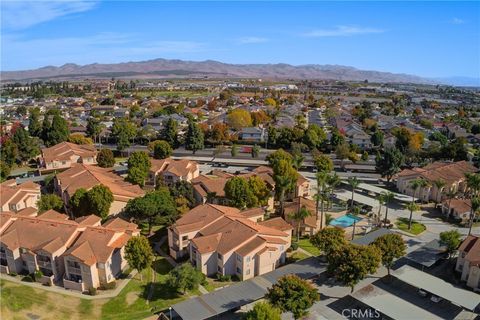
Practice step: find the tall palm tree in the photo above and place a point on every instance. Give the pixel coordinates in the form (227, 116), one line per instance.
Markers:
(412, 206)
(473, 183)
(325, 184)
(282, 183)
(415, 185)
(451, 193)
(474, 210)
(439, 184)
(353, 183)
(381, 202)
(298, 216)
(297, 161)
(388, 197)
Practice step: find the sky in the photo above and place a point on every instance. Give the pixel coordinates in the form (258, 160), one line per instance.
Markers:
(430, 39)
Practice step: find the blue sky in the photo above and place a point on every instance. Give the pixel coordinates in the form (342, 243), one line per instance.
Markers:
(433, 39)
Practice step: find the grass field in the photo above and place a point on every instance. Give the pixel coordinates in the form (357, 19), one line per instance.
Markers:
(417, 228)
(306, 245)
(22, 302)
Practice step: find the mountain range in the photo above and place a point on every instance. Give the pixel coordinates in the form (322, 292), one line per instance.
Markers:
(164, 68)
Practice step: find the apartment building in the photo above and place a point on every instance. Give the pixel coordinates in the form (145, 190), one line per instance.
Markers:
(468, 262)
(77, 255)
(171, 171)
(15, 197)
(458, 209)
(227, 241)
(63, 155)
(309, 225)
(86, 177)
(452, 173)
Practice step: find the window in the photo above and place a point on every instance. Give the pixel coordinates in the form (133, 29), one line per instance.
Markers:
(463, 254)
(220, 257)
(184, 238)
(219, 269)
(239, 270)
(239, 258)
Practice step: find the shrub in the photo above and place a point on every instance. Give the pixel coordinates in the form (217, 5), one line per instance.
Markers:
(224, 278)
(92, 291)
(109, 286)
(294, 245)
(28, 278)
(13, 274)
(37, 275)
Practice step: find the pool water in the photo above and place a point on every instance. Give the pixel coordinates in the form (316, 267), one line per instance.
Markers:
(345, 221)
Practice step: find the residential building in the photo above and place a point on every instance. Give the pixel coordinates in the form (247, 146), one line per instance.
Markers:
(254, 134)
(458, 209)
(86, 177)
(468, 262)
(15, 197)
(227, 241)
(210, 188)
(63, 155)
(171, 171)
(452, 173)
(78, 255)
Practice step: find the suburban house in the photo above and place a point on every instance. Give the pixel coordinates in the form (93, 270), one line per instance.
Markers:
(227, 241)
(452, 173)
(309, 225)
(15, 197)
(172, 171)
(254, 134)
(468, 262)
(79, 254)
(86, 177)
(458, 209)
(63, 155)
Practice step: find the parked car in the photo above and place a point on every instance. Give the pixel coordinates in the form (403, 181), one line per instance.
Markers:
(422, 293)
(436, 299)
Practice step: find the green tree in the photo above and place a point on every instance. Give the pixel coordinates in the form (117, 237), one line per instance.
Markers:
(154, 207)
(34, 125)
(314, 136)
(364, 156)
(323, 163)
(255, 151)
(4, 171)
(299, 216)
(100, 199)
(79, 138)
(389, 162)
(238, 192)
(259, 189)
(342, 152)
(325, 184)
(105, 158)
(234, 150)
(58, 131)
(388, 198)
(139, 254)
(94, 128)
(264, 311)
(452, 240)
(285, 177)
(239, 118)
(275, 157)
(377, 138)
(49, 201)
(78, 203)
(194, 139)
(161, 149)
(353, 182)
(185, 277)
(46, 125)
(124, 131)
(336, 138)
(329, 240)
(9, 153)
(170, 132)
(353, 263)
(391, 247)
(138, 167)
(474, 210)
(293, 294)
(27, 146)
(412, 207)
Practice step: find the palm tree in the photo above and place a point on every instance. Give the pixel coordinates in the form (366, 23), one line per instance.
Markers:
(451, 193)
(320, 196)
(297, 161)
(412, 206)
(473, 183)
(439, 184)
(298, 216)
(353, 183)
(475, 207)
(355, 212)
(381, 202)
(417, 184)
(388, 197)
(282, 183)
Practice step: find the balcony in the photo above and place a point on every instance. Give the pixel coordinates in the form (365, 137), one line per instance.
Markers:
(4, 269)
(73, 285)
(47, 280)
(74, 270)
(44, 264)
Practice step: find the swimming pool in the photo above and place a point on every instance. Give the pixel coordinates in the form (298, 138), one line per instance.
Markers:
(345, 221)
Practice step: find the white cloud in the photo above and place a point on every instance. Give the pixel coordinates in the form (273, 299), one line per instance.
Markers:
(457, 21)
(18, 14)
(250, 40)
(101, 48)
(341, 31)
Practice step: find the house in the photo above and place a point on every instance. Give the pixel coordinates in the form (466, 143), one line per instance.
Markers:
(227, 241)
(15, 197)
(63, 155)
(468, 262)
(361, 139)
(86, 177)
(254, 134)
(452, 173)
(458, 209)
(210, 188)
(309, 225)
(78, 255)
(172, 171)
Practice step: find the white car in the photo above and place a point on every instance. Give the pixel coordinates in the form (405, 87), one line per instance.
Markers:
(436, 299)
(422, 293)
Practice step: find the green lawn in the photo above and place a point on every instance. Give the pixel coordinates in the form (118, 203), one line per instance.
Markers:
(417, 228)
(296, 256)
(19, 298)
(213, 284)
(306, 245)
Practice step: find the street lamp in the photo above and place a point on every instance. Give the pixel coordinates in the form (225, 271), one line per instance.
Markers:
(170, 309)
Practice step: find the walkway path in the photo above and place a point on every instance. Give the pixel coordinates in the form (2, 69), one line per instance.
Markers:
(61, 290)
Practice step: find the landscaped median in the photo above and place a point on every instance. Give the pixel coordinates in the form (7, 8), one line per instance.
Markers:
(20, 301)
(417, 227)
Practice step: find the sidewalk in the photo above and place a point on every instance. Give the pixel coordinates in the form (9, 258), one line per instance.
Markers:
(60, 290)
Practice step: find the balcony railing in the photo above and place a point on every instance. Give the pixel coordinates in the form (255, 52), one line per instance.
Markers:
(44, 264)
(74, 270)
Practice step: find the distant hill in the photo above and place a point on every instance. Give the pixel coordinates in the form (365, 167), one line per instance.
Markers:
(163, 68)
